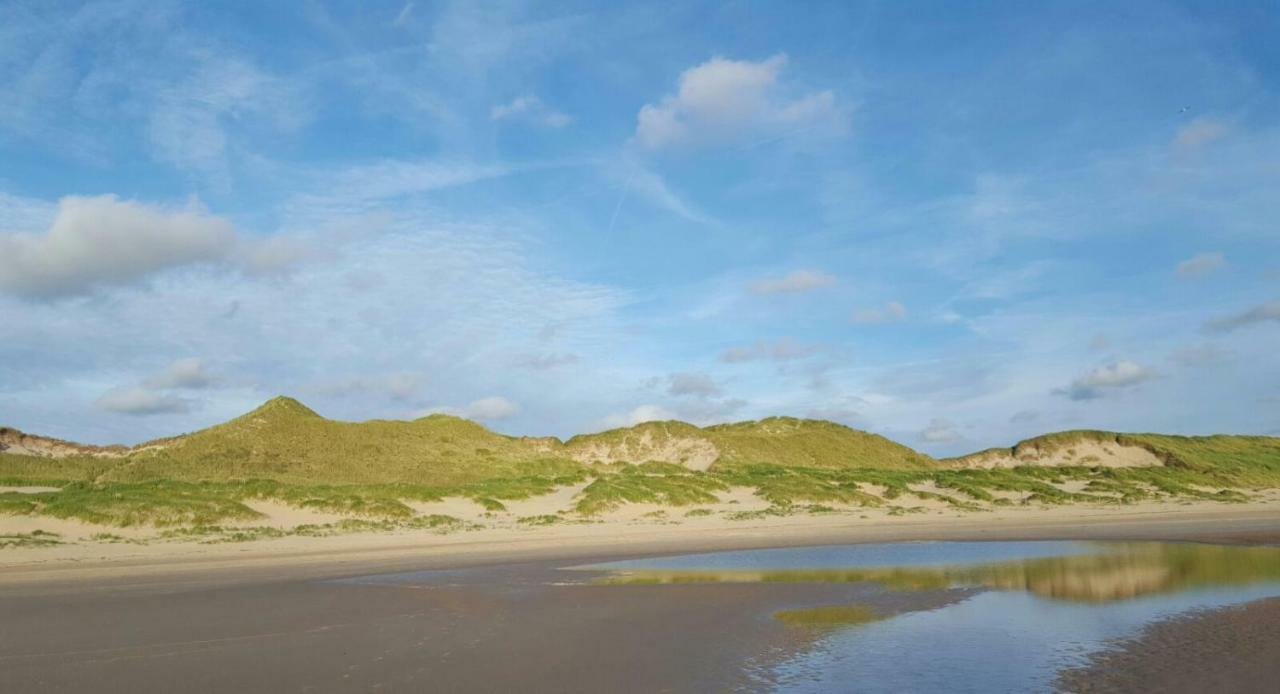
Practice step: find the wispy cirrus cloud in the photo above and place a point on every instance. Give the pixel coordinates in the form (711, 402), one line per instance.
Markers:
(531, 109)
(780, 350)
(794, 282)
(892, 311)
(1201, 265)
(1262, 313)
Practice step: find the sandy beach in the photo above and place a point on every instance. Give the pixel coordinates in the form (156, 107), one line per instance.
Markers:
(486, 610)
(1233, 649)
(633, 532)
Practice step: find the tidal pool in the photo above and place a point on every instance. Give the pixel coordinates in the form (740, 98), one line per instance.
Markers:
(1039, 607)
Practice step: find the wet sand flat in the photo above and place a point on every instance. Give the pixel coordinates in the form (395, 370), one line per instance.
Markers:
(508, 628)
(1233, 649)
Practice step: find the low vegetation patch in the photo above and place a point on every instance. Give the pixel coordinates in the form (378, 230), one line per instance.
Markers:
(544, 519)
(828, 617)
(647, 484)
(35, 538)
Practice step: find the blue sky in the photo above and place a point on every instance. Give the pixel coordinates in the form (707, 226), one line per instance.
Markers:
(956, 226)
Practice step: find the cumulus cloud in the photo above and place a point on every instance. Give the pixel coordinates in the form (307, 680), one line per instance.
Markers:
(103, 241)
(697, 385)
(638, 415)
(487, 409)
(1106, 378)
(1258, 314)
(797, 282)
(1201, 265)
(141, 402)
(1198, 133)
(190, 373)
(892, 311)
(723, 101)
(531, 109)
(940, 431)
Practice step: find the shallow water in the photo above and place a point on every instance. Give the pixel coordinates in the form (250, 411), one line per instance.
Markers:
(1047, 606)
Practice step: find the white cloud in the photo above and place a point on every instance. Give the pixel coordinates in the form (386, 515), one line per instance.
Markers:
(1199, 132)
(141, 401)
(487, 409)
(1106, 378)
(276, 254)
(1258, 314)
(940, 431)
(101, 241)
(723, 101)
(639, 415)
(532, 109)
(697, 385)
(654, 190)
(494, 407)
(892, 311)
(784, 349)
(190, 373)
(1201, 265)
(796, 282)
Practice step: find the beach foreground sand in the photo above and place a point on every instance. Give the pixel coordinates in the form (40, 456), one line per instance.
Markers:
(1233, 649)
(322, 614)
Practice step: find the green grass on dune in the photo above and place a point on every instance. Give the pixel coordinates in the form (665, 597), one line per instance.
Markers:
(285, 441)
(791, 442)
(144, 503)
(374, 471)
(649, 483)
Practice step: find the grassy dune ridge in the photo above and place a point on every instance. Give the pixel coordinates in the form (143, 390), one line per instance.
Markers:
(375, 470)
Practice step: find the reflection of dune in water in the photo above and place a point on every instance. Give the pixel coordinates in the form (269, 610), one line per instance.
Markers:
(1116, 572)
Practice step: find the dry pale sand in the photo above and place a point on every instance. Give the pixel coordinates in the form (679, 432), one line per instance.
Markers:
(27, 490)
(634, 529)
